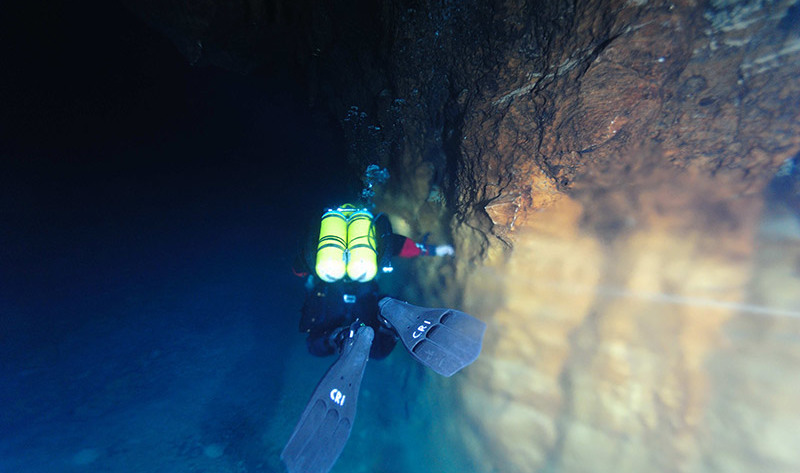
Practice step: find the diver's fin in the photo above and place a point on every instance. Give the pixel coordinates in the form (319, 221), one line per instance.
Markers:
(445, 340)
(325, 425)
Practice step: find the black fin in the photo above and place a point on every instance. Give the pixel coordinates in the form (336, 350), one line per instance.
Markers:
(323, 429)
(445, 340)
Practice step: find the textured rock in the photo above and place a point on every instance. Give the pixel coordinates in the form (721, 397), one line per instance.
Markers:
(612, 336)
(644, 352)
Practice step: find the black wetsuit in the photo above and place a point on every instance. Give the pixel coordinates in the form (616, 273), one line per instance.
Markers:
(330, 308)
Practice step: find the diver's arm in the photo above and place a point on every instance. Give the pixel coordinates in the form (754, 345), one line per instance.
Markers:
(411, 249)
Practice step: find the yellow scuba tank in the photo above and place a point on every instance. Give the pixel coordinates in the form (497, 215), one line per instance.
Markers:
(331, 258)
(362, 260)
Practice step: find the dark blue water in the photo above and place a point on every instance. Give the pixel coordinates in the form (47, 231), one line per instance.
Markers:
(149, 216)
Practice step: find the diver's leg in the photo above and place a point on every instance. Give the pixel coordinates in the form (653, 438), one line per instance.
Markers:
(382, 346)
(325, 343)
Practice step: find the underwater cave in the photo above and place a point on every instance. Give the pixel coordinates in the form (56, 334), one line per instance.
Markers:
(620, 181)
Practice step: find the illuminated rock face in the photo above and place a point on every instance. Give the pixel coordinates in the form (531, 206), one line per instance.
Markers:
(636, 330)
(600, 168)
(664, 349)
(635, 278)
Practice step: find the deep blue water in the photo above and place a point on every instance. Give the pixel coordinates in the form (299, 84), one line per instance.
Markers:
(149, 216)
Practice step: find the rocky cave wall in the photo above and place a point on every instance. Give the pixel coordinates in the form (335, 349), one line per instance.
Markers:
(600, 167)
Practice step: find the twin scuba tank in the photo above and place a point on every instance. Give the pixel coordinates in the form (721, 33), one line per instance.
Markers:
(347, 245)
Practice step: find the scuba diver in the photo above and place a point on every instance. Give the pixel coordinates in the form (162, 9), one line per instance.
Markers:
(335, 295)
(344, 313)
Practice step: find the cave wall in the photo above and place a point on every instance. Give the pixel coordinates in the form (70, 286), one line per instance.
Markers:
(600, 167)
(626, 169)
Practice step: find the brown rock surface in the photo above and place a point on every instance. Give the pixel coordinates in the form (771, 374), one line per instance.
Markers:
(612, 344)
(610, 353)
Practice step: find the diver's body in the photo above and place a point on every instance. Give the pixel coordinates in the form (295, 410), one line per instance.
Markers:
(343, 313)
(332, 307)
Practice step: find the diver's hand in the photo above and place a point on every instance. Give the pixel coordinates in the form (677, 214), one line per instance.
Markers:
(444, 250)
